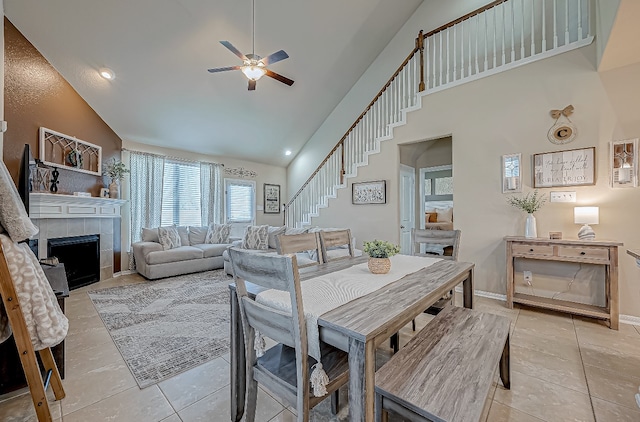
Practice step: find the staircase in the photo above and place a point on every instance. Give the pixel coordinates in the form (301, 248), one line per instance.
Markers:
(500, 36)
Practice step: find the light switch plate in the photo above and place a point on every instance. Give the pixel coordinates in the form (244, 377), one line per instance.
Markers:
(562, 197)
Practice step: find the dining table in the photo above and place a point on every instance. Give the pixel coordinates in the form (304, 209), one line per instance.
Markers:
(359, 326)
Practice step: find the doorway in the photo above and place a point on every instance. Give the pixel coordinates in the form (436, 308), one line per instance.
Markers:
(429, 187)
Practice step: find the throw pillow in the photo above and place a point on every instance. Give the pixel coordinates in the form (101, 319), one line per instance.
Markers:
(197, 234)
(183, 232)
(274, 232)
(295, 230)
(256, 237)
(218, 233)
(150, 235)
(169, 237)
(445, 215)
(430, 217)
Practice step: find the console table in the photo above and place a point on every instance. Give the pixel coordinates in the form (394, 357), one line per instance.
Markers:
(600, 252)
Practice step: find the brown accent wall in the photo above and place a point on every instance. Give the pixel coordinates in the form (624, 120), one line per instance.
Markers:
(37, 95)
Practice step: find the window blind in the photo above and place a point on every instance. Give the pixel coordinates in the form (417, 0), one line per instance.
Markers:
(240, 201)
(181, 194)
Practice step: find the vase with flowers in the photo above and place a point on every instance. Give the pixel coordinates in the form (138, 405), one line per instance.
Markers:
(529, 203)
(116, 170)
(379, 252)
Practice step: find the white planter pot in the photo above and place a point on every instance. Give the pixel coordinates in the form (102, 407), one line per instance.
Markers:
(530, 230)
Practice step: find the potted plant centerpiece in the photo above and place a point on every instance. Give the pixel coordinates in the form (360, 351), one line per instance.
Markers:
(116, 170)
(529, 203)
(379, 252)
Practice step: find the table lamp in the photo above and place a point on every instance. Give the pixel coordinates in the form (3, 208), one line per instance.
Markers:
(586, 216)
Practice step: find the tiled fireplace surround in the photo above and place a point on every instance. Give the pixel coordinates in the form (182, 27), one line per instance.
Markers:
(59, 215)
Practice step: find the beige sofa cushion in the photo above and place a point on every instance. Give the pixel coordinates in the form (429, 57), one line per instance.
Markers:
(182, 253)
(212, 249)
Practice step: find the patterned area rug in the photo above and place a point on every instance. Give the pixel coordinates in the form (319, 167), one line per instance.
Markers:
(163, 328)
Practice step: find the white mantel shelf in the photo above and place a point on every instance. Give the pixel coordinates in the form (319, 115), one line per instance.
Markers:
(51, 205)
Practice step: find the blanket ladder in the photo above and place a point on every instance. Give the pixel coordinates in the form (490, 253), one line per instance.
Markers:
(37, 386)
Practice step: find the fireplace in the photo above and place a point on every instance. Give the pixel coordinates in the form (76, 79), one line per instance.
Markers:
(81, 258)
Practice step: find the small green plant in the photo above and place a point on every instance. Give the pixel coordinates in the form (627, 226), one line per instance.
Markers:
(380, 249)
(529, 203)
(115, 169)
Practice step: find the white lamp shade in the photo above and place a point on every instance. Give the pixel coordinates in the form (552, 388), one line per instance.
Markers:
(586, 215)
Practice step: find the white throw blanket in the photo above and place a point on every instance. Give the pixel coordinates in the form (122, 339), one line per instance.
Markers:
(325, 293)
(45, 321)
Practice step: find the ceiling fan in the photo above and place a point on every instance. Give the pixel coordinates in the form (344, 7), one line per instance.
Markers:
(253, 66)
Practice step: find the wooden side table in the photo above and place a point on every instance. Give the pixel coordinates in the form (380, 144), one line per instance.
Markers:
(599, 252)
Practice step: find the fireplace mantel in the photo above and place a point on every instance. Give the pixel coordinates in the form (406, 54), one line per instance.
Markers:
(51, 205)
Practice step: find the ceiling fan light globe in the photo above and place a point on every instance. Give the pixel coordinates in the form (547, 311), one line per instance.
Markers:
(254, 72)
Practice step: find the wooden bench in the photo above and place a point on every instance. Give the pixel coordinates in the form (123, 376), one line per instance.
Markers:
(446, 371)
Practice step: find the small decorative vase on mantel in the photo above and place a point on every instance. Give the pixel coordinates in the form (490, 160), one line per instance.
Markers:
(530, 230)
(114, 189)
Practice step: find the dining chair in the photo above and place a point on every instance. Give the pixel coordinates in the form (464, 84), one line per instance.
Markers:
(336, 244)
(308, 243)
(284, 368)
(437, 244)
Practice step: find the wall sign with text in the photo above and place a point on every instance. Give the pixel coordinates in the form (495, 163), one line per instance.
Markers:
(574, 167)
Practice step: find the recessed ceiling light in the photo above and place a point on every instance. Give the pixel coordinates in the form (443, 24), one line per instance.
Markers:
(287, 152)
(108, 74)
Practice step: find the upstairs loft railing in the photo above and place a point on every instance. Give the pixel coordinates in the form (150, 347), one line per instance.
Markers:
(501, 35)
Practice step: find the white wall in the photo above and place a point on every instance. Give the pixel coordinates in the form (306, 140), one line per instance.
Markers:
(265, 174)
(430, 15)
(509, 113)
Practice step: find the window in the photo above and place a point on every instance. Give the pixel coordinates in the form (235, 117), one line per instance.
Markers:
(240, 204)
(438, 185)
(181, 194)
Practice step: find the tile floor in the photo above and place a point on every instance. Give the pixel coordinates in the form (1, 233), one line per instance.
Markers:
(563, 369)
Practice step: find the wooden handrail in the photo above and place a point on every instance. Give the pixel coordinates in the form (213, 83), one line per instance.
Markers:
(384, 88)
(464, 18)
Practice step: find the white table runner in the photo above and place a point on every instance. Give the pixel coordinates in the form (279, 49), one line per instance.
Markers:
(327, 292)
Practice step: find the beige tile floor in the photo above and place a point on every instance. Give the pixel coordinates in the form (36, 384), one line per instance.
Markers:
(563, 369)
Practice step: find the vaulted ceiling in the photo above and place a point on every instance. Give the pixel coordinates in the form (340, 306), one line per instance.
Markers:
(160, 51)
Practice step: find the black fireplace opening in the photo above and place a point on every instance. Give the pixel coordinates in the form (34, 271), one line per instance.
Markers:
(81, 258)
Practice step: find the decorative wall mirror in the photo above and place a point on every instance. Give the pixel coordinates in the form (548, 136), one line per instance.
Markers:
(624, 163)
(511, 173)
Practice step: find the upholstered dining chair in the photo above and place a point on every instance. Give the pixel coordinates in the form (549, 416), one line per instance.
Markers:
(284, 369)
(308, 243)
(437, 244)
(336, 244)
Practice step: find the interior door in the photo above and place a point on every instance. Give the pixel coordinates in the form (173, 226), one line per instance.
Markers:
(407, 207)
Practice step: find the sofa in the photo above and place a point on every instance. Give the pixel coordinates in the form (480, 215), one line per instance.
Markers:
(193, 254)
(303, 258)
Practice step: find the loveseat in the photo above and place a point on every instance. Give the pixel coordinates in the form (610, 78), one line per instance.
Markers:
(193, 254)
(303, 258)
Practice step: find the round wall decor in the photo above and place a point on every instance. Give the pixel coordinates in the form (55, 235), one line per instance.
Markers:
(562, 133)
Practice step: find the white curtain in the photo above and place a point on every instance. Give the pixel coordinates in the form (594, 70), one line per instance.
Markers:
(147, 173)
(212, 206)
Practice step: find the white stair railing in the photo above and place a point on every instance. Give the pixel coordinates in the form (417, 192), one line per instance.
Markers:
(499, 36)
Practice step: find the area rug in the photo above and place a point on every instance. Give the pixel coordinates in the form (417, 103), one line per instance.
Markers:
(163, 328)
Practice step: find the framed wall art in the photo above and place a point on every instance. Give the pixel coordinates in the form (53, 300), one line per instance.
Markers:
(575, 167)
(624, 163)
(369, 193)
(271, 199)
(511, 174)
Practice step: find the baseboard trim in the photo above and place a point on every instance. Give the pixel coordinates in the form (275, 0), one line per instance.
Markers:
(126, 272)
(624, 319)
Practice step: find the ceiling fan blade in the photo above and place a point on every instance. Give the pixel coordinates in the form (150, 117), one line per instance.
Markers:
(224, 69)
(275, 57)
(234, 50)
(279, 77)
(252, 85)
